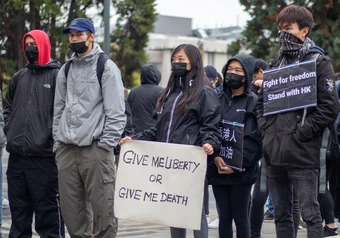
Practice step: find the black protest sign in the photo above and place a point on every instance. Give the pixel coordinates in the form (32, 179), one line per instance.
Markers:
(289, 88)
(232, 144)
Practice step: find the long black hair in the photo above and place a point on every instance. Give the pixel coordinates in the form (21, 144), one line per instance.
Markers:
(193, 82)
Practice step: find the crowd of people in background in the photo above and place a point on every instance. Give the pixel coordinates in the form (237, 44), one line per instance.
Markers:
(64, 124)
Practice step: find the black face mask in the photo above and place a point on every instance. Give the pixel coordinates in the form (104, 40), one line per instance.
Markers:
(179, 69)
(31, 53)
(79, 47)
(234, 81)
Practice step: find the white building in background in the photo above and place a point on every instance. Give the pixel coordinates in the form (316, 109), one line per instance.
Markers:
(169, 32)
(160, 47)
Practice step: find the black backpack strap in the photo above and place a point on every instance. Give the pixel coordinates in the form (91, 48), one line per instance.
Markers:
(101, 67)
(67, 67)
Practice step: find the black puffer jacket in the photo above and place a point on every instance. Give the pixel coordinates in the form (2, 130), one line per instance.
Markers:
(28, 112)
(240, 109)
(197, 126)
(143, 99)
(288, 143)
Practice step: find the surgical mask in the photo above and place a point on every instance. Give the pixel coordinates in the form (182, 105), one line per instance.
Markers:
(179, 69)
(234, 81)
(79, 47)
(289, 43)
(31, 53)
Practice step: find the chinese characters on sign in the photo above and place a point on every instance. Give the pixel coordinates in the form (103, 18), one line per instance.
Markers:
(232, 144)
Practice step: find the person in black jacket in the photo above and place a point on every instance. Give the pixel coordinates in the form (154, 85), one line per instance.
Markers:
(32, 175)
(188, 113)
(232, 186)
(143, 99)
(292, 140)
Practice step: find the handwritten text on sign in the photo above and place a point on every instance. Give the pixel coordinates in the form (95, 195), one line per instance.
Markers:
(289, 88)
(160, 183)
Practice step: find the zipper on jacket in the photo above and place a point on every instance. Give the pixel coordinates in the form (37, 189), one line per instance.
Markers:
(29, 111)
(172, 113)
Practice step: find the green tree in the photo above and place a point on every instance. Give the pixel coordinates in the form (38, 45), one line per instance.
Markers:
(261, 31)
(135, 21)
(20, 16)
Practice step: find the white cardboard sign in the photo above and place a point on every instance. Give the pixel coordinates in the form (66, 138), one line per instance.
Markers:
(160, 183)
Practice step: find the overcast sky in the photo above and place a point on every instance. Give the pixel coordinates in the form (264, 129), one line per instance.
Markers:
(205, 13)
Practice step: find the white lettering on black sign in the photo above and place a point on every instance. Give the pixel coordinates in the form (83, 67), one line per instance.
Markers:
(289, 88)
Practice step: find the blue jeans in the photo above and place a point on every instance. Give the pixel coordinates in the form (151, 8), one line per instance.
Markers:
(270, 204)
(1, 150)
(305, 181)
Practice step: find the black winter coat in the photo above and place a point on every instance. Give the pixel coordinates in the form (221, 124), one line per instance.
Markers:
(197, 126)
(241, 109)
(288, 143)
(28, 112)
(143, 99)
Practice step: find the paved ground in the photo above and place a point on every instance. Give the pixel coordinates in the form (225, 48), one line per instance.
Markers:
(136, 229)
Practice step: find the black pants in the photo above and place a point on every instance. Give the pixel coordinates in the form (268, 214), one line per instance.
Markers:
(281, 181)
(258, 200)
(334, 186)
(326, 200)
(33, 188)
(233, 202)
(206, 197)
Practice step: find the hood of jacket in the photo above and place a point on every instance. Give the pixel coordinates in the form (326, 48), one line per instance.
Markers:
(150, 75)
(248, 64)
(42, 42)
(52, 64)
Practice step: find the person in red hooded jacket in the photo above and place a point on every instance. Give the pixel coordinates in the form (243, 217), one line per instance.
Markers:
(32, 173)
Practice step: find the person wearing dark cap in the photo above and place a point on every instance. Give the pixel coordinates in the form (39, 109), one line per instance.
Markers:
(214, 78)
(32, 175)
(88, 122)
(232, 185)
(260, 67)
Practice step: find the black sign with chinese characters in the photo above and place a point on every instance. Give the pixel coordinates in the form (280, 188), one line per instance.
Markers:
(232, 144)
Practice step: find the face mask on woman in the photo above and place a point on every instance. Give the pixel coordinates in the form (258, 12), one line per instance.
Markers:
(234, 81)
(179, 69)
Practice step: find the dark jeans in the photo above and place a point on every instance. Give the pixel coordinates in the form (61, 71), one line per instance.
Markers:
(305, 181)
(256, 210)
(233, 202)
(33, 188)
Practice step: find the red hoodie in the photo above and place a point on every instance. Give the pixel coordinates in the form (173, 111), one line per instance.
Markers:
(43, 45)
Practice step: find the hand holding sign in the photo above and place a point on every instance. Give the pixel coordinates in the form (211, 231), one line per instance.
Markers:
(222, 167)
(208, 149)
(125, 139)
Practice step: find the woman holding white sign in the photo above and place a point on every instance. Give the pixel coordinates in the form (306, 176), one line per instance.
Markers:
(234, 171)
(188, 113)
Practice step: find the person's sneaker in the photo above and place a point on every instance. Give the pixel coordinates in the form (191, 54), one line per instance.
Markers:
(268, 216)
(330, 232)
(214, 224)
(336, 223)
(5, 203)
